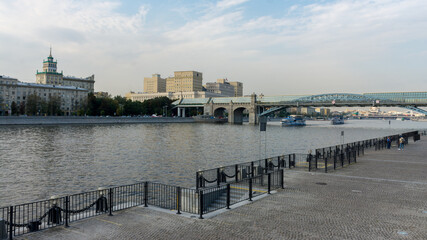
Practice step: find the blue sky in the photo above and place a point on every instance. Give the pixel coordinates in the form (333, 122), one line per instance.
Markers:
(274, 47)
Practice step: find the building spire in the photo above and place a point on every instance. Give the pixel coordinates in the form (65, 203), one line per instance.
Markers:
(50, 53)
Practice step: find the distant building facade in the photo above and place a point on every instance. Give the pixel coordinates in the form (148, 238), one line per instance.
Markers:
(238, 88)
(155, 84)
(177, 95)
(184, 84)
(323, 111)
(71, 91)
(185, 81)
(222, 87)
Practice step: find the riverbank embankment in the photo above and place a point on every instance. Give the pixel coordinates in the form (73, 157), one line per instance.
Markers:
(63, 120)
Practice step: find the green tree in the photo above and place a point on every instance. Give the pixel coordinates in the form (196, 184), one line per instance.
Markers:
(33, 104)
(14, 108)
(22, 108)
(54, 106)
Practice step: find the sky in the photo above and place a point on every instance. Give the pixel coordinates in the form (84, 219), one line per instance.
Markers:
(274, 47)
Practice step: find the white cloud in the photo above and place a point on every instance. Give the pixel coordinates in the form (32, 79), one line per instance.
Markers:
(229, 3)
(360, 42)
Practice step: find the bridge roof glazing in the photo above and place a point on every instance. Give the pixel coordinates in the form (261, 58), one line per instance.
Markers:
(191, 101)
(234, 99)
(276, 99)
(405, 97)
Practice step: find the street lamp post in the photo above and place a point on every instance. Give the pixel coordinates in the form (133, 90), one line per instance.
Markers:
(165, 111)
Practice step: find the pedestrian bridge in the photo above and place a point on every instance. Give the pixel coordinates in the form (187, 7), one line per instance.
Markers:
(264, 105)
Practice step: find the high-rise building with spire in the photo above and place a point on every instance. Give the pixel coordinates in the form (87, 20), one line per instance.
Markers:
(51, 85)
(50, 76)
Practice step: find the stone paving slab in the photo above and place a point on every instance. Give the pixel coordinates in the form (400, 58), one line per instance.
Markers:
(377, 198)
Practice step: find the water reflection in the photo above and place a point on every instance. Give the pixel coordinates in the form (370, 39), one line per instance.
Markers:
(40, 161)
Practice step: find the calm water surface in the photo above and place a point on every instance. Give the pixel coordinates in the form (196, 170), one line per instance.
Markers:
(40, 161)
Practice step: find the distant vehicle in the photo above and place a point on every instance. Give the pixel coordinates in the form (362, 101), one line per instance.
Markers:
(293, 120)
(336, 120)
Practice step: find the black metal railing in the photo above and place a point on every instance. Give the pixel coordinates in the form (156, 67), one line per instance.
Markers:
(327, 158)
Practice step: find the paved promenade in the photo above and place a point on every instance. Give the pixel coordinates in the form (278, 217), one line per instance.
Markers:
(383, 196)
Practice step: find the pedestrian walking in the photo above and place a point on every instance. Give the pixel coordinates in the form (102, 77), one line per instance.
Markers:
(388, 142)
(401, 143)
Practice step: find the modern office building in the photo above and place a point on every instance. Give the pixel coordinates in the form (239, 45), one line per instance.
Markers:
(238, 88)
(222, 87)
(184, 81)
(72, 92)
(155, 84)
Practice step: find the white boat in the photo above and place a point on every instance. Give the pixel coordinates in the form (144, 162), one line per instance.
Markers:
(293, 120)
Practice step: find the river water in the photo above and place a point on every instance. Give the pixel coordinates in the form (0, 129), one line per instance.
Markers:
(40, 161)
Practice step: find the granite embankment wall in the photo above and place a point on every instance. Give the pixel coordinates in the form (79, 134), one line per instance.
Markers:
(89, 120)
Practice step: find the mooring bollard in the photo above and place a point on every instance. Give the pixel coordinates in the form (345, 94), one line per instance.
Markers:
(269, 183)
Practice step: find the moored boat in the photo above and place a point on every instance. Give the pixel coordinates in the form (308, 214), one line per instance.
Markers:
(209, 119)
(337, 120)
(293, 120)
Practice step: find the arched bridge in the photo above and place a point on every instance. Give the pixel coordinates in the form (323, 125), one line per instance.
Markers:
(255, 106)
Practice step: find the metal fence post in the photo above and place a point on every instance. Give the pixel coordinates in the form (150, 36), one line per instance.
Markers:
(289, 161)
(201, 204)
(218, 177)
(250, 189)
(252, 169)
(316, 158)
(269, 183)
(355, 157)
(228, 196)
(178, 202)
(266, 165)
(349, 156)
(145, 194)
(10, 222)
(236, 170)
(309, 162)
(335, 160)
(342, 158)
(294, 157)
(67, 209)
(282, 178)
(326, 164)
(197, 180)
(110, 195)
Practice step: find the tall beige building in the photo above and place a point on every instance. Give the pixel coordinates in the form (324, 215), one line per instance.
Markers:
(238, 88)
(154, 84)
(222, 87)
(184, 81)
